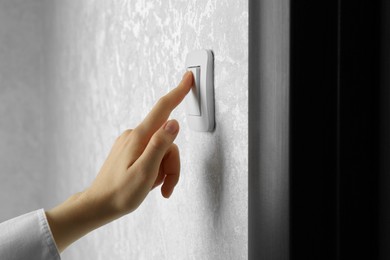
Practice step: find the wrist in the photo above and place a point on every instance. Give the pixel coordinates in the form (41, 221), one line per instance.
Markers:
(77, 216)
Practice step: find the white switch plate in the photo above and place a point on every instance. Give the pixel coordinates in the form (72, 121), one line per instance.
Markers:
(203, 59)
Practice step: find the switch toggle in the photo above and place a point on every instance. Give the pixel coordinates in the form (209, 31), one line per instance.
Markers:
(200, 100)
(193, 98)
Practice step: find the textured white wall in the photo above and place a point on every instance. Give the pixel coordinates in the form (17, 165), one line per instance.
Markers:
(109, 62)
(105, 65)
(21, 110)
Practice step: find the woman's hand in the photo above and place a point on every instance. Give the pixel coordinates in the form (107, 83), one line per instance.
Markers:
(139, 160)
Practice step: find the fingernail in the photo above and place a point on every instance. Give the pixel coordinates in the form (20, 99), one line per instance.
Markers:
(171, 127)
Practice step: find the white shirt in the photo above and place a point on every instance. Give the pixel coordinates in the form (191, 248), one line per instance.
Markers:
(27, 237)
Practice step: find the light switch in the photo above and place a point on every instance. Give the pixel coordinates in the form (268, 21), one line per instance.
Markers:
(200, 101)
(192, 99)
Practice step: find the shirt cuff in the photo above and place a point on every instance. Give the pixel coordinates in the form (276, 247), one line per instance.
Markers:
(48, 236)
(28, 237)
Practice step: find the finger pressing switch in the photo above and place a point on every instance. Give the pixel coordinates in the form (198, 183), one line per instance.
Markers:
(193, 98)
(200, 101)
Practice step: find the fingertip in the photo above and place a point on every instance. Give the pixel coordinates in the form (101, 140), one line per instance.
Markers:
(187, 74)
(188, 79)
(166, 193)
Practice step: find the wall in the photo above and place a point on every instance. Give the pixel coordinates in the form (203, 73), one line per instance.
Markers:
(78, 73)
(108, 63)
(22, 136)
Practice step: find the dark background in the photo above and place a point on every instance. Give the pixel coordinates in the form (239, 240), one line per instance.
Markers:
(334, 188)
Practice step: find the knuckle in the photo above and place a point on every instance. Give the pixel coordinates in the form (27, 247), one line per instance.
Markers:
(128, 131)
(173, 150)
(175, 147)
(125, 134)
(158, 143)
(163, 101)
(123, 137)
(136, 134)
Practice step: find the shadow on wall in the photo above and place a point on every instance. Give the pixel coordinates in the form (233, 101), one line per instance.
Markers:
(213, 178)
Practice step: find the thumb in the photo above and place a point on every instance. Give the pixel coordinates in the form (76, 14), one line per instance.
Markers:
(156, 149)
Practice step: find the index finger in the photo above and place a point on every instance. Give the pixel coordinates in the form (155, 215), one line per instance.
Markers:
(166, 104)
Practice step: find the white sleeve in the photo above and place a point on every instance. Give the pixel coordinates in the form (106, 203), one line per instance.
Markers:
(27, 237)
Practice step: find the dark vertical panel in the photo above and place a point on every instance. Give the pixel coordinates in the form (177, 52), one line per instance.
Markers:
(319, 129)
(268, 129)
(359, 121)
(384, 177)
(314, 129)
